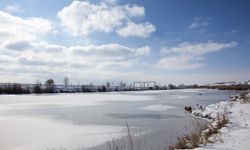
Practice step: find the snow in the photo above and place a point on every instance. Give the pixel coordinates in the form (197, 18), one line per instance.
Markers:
(29, 133)
(181, 97)
(211, 111)
(193, 90)
(143, 92)
(236, 134)
(158, 107)
(24, 102)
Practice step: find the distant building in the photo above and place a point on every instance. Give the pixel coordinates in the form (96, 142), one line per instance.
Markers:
(224, 83)
(145, 84)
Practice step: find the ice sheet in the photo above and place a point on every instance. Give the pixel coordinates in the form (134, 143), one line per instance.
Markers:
(29, 133)
(157, 107)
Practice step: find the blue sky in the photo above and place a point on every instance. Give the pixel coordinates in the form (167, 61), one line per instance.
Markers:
(175, 41)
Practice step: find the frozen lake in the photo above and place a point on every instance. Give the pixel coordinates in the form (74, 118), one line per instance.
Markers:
(86, 120)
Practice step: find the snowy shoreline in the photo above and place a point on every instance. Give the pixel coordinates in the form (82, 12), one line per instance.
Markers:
(236, 133)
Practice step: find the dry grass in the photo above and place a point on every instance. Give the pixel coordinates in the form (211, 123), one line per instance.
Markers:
(127, 142)
(191, 139)
(200, 134)
(214, 130)
(223, 121)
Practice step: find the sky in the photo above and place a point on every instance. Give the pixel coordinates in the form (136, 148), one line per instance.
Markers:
(95, 41)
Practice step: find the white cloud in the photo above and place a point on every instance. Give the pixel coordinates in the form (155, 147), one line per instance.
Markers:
(38, 61)
(134, 11)
(116, 64)
(17, 28)
(83, 18)
(165, 50)
(43, 60)
(104, 51)
(136, 30)
(16, 45)
(26, 57)
(33, 64)
(199, 23)
(47, 48)
(13, 9)
(31, 45)
(143, 51)
(22, 54)
(190, 55)
(110, 1)
(6, 59)
(181, 62)
(200, 48)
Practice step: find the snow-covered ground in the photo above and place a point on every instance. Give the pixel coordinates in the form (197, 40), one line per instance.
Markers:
(236, 134)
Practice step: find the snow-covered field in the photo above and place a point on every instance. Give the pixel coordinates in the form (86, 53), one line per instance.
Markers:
(236, 134)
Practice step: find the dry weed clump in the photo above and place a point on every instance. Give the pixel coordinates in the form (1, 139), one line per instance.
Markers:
(191, 139)
(201, 134)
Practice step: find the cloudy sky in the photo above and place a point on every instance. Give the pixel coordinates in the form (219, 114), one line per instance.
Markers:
(169, 41)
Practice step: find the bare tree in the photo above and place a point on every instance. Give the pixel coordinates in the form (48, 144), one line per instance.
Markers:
(66, 81)
(108, 84)
(38, 88)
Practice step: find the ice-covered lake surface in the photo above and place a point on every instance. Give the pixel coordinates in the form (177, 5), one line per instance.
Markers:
(87, 120)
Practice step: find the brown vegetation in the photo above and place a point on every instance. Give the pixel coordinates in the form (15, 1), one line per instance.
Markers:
(188, 109)
(242, 98)
(229, 87)
(191, 139)
(200, 134)
(127, 142)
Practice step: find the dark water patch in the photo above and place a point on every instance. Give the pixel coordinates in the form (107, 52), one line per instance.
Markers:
(144, 116)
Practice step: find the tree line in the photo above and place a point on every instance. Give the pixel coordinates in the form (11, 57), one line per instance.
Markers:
(37, 88)
(50, 87)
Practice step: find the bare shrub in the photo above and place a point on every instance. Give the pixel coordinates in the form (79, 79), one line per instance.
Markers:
(188, 109)
(223, 121)
(244, 98)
